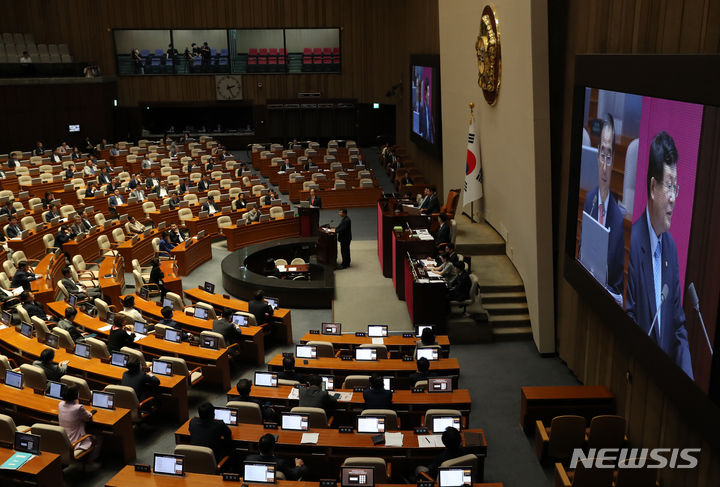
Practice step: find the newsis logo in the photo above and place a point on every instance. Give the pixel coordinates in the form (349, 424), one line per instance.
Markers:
(656, 458)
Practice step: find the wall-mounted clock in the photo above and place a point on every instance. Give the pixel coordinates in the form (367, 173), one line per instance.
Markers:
(228, 87)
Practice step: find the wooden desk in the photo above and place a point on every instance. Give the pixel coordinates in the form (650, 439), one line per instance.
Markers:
(387, 220)
(44, 287)
(173, 390)
(546, 402)
(346, 198)
(425, 298)
(238, 237)
(342, 368)
(410, 406)
(116, 422)
(88, 246)
(142, 249)
(111, 276)
(33, 244)
(281, 324)
(392, 342)
(402, 243)
(42, 470)
(189, 258)
(131, 209)
(129, 477)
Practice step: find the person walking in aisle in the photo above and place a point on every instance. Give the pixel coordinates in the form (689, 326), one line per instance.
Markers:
(344, 236)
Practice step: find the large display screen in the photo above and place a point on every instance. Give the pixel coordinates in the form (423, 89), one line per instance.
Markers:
(425, 113)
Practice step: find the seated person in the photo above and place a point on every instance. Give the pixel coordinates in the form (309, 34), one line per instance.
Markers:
(77, 289)
(288, 371)
(52, 370)
(260, 308)
(315, 397)
(209, 432)
(53, 212)
(129, 309)
(452, 439)
(446, 268)
(377, 397)
(138, 193)
(72, 416)
(166, 245)
(227, 329)
(266, 446)
(13, 230)
(157, 276)
(78, 226)
(243, 388)
(174, 201)
(459, 287)
(176, 235)
(143, 384)
(314, 200)
(240, 203)
(253, 215)
(443, 233)
(427, 338)
(167, 318)
(66, 324)
(423, 371)
(134, 226)
(210, 206)
(405, 179)
(64, 236)
(120, 334)
(22, 276)
(32, 307)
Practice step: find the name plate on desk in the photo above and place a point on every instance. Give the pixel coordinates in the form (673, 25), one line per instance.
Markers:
(142, 467)
(346, 429)
(314, 332)
(410, 335)
(421, 431)
(235, 477)
(407, 358)
(300, 386)
(270, 426)
(360, 334)
(425, 484)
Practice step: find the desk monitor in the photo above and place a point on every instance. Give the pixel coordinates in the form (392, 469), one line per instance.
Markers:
(144, 292)
(420, 328)
(377, 330)
(26, 329)
(210, 342)
(331, 329)
(161, 367)
(328, 382)
(110, 317)
(357, 476)
(454, 476)
(140, 328)
(365, 354)
(266, 379)
(200, 313)
(52, 340)
(6, 318)
(441, 423)
(104, 400)
(26, 442)
(240, 320)
(389, 383)
(203, 214)
(119, 359)
(594, 248)
(173, 335)
(295, 422)
(371, 424)
(167, 302)
(55, 389)
(440, 384)
(168, 464)
(274, 302)
(305, 351)
(261, 473)
(72, 300)
(82, 350)
(229, 416)
(13, 379)
(209, 287)
(428, 353)
(264, 218)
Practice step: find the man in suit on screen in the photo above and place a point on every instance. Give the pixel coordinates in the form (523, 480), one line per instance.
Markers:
(602, 205)
(653, 274)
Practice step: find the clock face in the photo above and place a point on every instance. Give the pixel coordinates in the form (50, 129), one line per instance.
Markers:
(228, 87)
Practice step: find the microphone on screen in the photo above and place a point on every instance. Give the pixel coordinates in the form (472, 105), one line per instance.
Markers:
(594, 204)
(663, 296)
(695, 302)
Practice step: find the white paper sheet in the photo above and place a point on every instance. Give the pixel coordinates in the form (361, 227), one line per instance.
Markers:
(394, 439)
(310, 438)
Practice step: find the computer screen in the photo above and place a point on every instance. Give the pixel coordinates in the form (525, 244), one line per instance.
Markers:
(240, 320)
(274, 302)
(328, 382)
(119, 359)
(72, 300)
(305, 351)
(26, 329)
(439, 384)
(82, 350)
(259, 472)
(173, 335)
(167, 302)
(209, 342)
(441, 423)
(331, 329)
(428, 353)
(110, 317)
(105, 400)
(266, 379)
(52, 340)
(389, 383)
(140, 328)
(296, 422)
(209, 287)
(200, 313)
(13, 379)
(357, 476)
(5, 317)
(228, 416)
(25, 442)
(370, 424)
(454, 476)
(420, 328)
(144, 292)
(365, 354)
(377, 330)
(54, 389)
(161, 367)
(168, 464)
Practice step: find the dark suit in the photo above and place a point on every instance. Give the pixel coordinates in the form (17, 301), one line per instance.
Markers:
(314, 397)
(176, 237)
(206, 206)
(443, 235)
(87, 225)
(143, 384)
(262, 311)
(377, 399)
(203, 185)
(430, 204)
(239, 204)
(616, 239)
(49, 215)
(22, 279)
(69, 174)
(13, 231)
(52, 370)
(103, 178)
(459, 288)
(291, 473)
(115, 200)
(640, 299)
(151, 183)
(174, 204)
(406, 180)
(227, 330)
(89, 192)
(344, 236)
(35, 309)
(8, 210)
(213, 434)
(132, 184)
(418, 376)
(119, 338)
(316, 201)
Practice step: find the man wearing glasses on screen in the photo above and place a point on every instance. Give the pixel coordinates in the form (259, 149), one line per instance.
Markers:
(653, 293)
(602, 205)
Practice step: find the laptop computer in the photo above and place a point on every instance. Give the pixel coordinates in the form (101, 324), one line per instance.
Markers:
(119, 359)
(169, 464)
(140, 328)
(357, 476)
(331, 329)
(82, 350)
(14, 379)
(455, 476)
(365, 354)
(274, 302)
(305, 351)
(258, 472)
(594, 248)
(54, 389)
(26, 442)
(377, 330)
(167, 302)
(441, 423)
(266, 379)
(440, 384)
(371, 424)
(427, 353)
(26, 329)
(161, 367)
(228, 416)
(104, 400)
(295, 422)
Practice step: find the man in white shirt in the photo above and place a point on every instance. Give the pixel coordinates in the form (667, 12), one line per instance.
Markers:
(90, 168)
(162, 190)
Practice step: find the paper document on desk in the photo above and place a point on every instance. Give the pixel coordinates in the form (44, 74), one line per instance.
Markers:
(434, 274)
(428, 262)
(105, 328)
(17, 291)
(294, 394)
(430, 441)
(378, 341)
(343, 396)
(424, 234)
(394, 439)
(310, 438)
(423, 281)
(138, 336)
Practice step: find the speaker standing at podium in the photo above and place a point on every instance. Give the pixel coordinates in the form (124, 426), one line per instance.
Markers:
(344, 236)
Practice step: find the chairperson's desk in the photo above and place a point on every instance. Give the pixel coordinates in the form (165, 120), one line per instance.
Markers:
(42, 470)
(214, 363)
(114, 422)
(191, 253)
(129, 477)
(239, 237)
(405, 241)
(425, 297)
(173, 390)
(392, 342)
(546, 402)
(342, 368)
(387, 220)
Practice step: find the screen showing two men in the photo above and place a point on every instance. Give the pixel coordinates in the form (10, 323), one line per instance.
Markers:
(295, 422)
(377, 330)
(427, 353)
(25, 442)
(52, 340)
(228, 416)
(104, 400)
(454, 476)
(266, 379)
(370, 424)
(357, 476)
(305, 351)
(200, 313)
(331, 329)
(168, 464)
(259, 472)
(160, 367)
(365, 354)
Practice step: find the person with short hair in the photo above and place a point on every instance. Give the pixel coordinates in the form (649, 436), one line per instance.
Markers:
(52, 370)
(144, 384)
(66, 324)
(423, 371)
(120, 334)
(167, 318)
(13, 230)
(129, 309)
(166, 245)
(430, 203)
(27, 299)
(77, 289)
(227, 329)
(377, 397)
(266, 448)
(289, 372)
(452, 439)
(459, 287)
(344, 237)
(209, 432)
(157, 276)
(22, 276)
(443, 233)
(260, 308)
(314, 397)
(73, 416)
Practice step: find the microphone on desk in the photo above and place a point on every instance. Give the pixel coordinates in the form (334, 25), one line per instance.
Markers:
(663, 296)
(695, 302)
(594, 204)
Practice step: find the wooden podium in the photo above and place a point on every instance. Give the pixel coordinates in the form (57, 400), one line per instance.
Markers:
(309, 221)
(326, 247)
